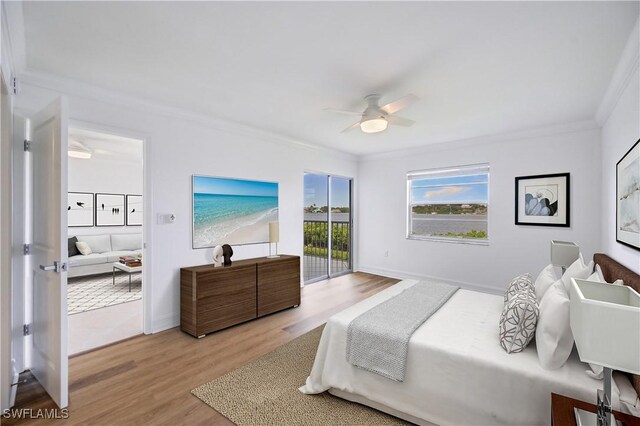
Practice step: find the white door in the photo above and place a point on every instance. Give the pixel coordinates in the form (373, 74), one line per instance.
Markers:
(49, 250)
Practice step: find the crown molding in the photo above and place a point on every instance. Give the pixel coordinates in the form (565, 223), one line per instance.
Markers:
(625, 70)
(539, 132)
(13, 40)
(66, 86)
(6, 57)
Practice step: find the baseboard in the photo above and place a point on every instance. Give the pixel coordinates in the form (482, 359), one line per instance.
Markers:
(165, 322)
(403, 275)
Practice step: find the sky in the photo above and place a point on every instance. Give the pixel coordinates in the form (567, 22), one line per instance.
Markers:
(456, 190)
(315, 191)
(211, 185)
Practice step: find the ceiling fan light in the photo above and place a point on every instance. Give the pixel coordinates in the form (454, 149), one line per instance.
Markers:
(85, 155)
(374, 125)
(78, 150)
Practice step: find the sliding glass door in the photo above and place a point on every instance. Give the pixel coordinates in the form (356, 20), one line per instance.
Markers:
(327, 226)
(340, 219)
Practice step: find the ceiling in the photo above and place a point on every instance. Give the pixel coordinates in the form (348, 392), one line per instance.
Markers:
(480, 68)
(108, 147)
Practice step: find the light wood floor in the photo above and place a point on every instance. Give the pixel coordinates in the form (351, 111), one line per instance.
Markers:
(148, 379)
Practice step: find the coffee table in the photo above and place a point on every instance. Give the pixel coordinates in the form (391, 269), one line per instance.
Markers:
(124, 268)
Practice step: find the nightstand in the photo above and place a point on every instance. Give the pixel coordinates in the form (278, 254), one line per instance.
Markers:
(562, 413)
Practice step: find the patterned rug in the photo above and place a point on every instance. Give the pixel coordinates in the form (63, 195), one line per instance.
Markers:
(97, 291)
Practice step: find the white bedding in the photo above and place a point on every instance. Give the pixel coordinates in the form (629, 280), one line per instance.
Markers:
(457, 373)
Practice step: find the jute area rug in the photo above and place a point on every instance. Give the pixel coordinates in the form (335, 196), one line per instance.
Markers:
(265, 392)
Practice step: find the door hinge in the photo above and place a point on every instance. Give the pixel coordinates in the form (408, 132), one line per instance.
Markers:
(27, 145)
(26, 330)
(26, 249)
(15, 86)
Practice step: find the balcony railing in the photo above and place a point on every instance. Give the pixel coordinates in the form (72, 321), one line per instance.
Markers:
(316, 248)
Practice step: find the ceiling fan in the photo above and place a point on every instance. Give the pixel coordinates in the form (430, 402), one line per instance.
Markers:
(377, 118)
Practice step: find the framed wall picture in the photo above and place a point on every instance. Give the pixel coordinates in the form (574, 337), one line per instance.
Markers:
(134, 210)
(628, 198)
(543, 200)
(232, 211)
(110, 210)
(80, 209)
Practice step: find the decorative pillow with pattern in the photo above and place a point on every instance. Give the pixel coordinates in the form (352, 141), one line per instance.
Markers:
(518, 322)
(517, 285)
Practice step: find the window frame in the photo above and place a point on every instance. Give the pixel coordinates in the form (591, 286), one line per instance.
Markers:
(472, 241)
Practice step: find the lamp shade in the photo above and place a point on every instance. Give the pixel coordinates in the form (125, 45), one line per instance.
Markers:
(564, 253)
(605, 322)
(274, 232)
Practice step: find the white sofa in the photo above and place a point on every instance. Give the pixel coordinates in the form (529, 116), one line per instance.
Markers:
(106, 249)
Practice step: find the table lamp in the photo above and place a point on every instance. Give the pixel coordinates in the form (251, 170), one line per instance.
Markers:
(605, 322)
(564, 253)
(274, 237)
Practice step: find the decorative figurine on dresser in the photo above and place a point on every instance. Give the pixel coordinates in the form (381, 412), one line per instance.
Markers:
(217, 256)
(227, 252)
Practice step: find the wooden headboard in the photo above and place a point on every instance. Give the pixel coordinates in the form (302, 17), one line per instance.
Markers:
(612, 271)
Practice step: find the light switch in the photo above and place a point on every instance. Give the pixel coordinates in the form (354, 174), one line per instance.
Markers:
(167, 218)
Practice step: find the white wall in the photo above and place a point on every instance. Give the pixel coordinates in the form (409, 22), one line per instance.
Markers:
(512, 249)
(619, 133)
(112, 176)
(177, 148)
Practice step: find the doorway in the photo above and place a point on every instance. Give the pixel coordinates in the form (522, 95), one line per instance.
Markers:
(327, 227)
(105, 218)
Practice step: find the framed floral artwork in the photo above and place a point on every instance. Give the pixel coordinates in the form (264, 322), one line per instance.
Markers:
(543, 200)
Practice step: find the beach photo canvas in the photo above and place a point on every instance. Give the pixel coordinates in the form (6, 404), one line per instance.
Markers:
(80, 209)
(232, 211)
(628, 198)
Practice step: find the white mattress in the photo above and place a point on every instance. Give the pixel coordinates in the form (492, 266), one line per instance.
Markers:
(457, 373)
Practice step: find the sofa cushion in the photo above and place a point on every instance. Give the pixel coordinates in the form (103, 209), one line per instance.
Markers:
(71, 246)
(126, 242)
(114, 256)
(98, 243)
(90, 259)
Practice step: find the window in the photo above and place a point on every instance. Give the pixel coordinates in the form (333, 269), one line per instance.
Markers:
(449, 204)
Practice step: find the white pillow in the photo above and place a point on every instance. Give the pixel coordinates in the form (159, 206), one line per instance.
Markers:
(545, 279)
(595, 277)
(83, 248)
(600, 276)
(554, 340)
(576, 270)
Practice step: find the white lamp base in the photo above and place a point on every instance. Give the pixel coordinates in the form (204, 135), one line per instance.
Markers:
(587, 418)
(273, 256)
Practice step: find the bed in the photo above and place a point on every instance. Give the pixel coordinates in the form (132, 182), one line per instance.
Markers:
(457, 372)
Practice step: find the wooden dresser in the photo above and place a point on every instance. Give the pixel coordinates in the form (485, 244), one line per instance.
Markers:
(215, 298)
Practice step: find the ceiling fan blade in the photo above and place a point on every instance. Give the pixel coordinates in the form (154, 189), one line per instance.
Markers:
(403, 102)
(342, 111)
(399, 121)
(353, 126)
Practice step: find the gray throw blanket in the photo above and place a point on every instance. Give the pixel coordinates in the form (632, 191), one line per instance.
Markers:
(378, 340)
